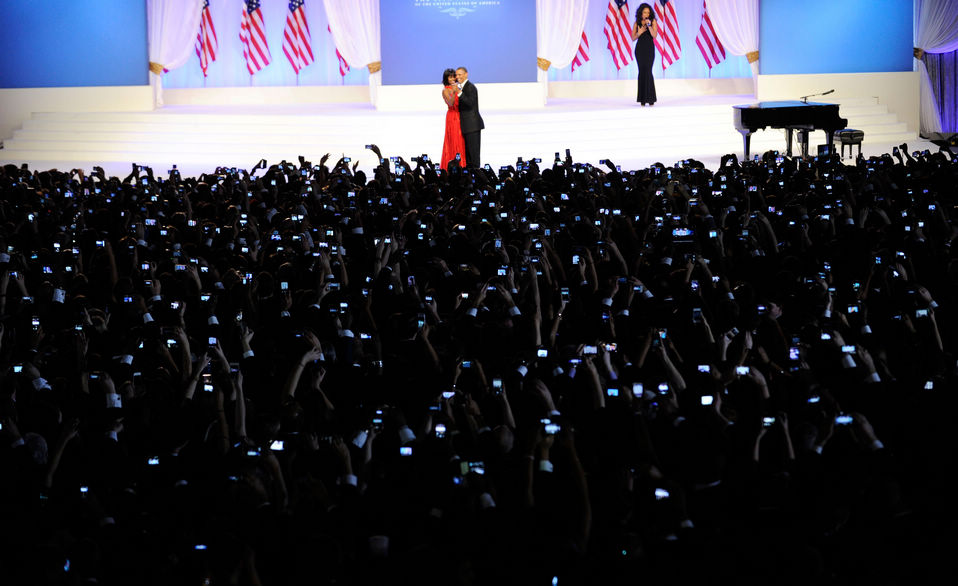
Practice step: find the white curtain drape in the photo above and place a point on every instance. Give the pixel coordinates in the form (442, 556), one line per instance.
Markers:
(172, 26)
(936, 31)
(736, 24)
(355, 28)
(559, 26)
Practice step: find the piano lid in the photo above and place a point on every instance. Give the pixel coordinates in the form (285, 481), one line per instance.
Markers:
(780, 104)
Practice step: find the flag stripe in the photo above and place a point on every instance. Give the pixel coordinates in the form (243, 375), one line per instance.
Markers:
(623, 39)
(206, 42)
(618, 33)
(709, 45)
(212, 44)
(343, 66)
(296, 38)
(253, 38)
(711, 38)
(705, 53)
(582, 55)
(667, 42)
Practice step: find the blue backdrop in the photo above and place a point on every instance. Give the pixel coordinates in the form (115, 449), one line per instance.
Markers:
(66, 43)
(59, 43)
(836, 36)
(495, 39)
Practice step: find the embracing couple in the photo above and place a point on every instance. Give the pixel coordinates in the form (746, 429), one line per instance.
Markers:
(463, 122)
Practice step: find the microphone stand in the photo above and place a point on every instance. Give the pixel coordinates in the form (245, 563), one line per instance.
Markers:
(804, 99)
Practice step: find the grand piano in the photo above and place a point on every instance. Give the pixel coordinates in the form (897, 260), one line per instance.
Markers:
(789, 114)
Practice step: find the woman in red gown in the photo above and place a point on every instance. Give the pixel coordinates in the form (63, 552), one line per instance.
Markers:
(453, 143)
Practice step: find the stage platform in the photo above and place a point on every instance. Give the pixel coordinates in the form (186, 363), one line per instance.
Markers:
(200, 137)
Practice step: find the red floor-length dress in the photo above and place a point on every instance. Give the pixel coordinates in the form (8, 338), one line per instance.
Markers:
(453, 142)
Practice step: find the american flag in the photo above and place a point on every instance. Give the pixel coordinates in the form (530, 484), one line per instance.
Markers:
(343, 66)
(297, 43)
(618, 30)
(206, 43)
(253, 37)
(708, 41)
(668, 40)
(582, 55)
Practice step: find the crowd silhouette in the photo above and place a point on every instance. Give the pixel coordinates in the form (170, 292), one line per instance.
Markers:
(541, 374)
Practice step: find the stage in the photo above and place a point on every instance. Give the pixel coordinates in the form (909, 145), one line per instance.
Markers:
(197, 137)
(82, 102)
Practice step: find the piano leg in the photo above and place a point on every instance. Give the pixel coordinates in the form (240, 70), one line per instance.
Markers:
(746, 139)
(788, 141)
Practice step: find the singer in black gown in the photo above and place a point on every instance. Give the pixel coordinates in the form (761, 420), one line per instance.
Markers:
(643, 31)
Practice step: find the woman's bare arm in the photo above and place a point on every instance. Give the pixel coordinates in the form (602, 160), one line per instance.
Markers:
(448, 96)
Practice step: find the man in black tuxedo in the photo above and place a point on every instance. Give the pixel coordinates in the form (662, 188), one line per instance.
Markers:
(469, 119)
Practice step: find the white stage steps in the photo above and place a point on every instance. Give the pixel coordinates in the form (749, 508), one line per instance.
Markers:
(198, 138)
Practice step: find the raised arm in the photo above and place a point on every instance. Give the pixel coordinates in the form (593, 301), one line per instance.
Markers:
(69, 431)
(292, 379)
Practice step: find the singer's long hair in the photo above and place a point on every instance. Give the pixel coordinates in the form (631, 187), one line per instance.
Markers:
(638, 11)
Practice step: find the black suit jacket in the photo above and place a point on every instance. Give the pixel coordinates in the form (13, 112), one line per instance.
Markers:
(469, 118)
